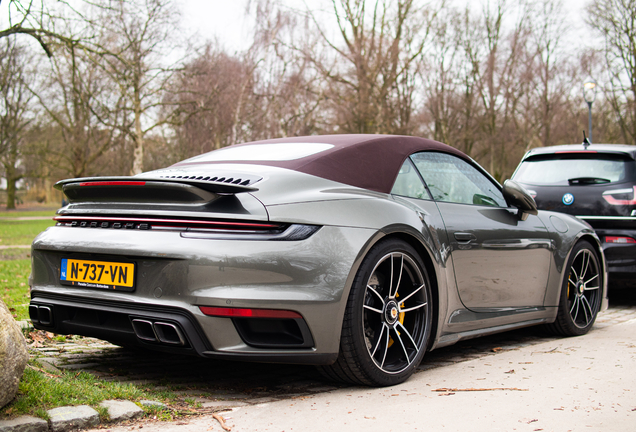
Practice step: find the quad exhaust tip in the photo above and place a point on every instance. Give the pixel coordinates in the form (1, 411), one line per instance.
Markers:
(41, 314)
(158, 331)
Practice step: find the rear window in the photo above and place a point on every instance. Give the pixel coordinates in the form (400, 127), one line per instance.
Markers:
(564, 169)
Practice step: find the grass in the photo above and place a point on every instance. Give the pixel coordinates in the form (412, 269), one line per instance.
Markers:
(41, 391)
(26, 213)
(14, 286)
(21, 232)
(14, 254)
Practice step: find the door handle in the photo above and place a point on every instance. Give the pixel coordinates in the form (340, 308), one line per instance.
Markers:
(465, 237)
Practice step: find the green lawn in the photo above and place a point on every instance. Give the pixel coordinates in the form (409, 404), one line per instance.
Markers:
(26, 213)
(14, 286)
(40, 391)
(21, 232)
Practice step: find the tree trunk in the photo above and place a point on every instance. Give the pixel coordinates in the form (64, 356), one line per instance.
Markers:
(138, 153)
(11, 187)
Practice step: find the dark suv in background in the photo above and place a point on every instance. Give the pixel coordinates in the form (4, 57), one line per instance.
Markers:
(596, 183)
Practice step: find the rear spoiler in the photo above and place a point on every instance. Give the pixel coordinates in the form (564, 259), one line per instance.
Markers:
(140, 189)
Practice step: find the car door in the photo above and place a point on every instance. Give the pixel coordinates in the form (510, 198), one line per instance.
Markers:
(500, 261)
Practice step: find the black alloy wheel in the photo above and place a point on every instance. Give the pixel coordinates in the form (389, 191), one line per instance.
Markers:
(387, 322)
(581, 292)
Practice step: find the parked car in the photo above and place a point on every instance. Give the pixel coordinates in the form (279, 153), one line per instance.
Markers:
(357, 253)
(597, 184)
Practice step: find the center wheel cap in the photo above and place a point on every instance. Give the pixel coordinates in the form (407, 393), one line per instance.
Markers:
(391, 312)
(580, 287)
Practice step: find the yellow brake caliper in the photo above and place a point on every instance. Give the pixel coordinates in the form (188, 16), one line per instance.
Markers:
(400, 318)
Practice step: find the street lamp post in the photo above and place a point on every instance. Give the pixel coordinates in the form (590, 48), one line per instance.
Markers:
(589, 93)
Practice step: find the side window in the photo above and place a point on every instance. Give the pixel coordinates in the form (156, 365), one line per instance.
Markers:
(452, 179)
(408, 183)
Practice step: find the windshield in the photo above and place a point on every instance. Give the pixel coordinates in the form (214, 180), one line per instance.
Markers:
(559, 169)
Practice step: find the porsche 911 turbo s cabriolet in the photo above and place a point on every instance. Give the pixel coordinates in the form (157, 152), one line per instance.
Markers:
(356, 253)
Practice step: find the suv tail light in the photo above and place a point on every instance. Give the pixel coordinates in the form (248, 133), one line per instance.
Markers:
(626, 196)
(620, 240)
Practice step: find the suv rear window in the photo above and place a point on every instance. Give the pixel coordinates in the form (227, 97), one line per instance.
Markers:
(574, 168)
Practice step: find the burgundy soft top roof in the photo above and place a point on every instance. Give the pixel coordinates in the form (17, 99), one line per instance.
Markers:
(366, 161)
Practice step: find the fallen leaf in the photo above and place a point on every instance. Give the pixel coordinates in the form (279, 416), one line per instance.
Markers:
(221, 421)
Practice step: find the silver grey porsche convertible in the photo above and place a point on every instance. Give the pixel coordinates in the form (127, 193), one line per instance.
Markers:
(356, 253)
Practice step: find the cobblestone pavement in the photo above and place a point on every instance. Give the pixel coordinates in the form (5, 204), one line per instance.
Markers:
(215, 383)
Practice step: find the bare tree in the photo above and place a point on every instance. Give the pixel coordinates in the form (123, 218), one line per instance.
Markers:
(15, 113)
(73, 96)
(210, 91)
(35, 19)
(287, 91)
(370, 71)
(615, 20)
(138, 58)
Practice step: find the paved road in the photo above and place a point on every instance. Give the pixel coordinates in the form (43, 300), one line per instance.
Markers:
(568, 384)
(220, 384)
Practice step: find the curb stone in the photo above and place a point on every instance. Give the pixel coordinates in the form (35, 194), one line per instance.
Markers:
(75, 417)
(48, 366)
(72, 417)
(24, 424)
(149, 403)
(121, 410)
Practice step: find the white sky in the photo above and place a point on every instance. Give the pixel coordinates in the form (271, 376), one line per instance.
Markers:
(226, 21)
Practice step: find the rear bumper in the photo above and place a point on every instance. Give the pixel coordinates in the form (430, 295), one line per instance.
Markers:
(157, 328)
(176, 275)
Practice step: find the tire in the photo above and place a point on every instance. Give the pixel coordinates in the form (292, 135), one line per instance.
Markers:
(387, 321)
(581, 292)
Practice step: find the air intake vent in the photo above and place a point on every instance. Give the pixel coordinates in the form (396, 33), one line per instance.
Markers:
(237, 180)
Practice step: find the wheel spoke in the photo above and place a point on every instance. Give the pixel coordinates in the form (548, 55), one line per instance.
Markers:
(397, 285)
(412, 294)
(585, 304)
(386, 348)
(378, 342)
(406, 332)
(575, 304)
(576, 276)
(413, 308)
(590, 280)
(372, 309)
(376, 293)
(391, 277)
(584, 263)
(399, 338)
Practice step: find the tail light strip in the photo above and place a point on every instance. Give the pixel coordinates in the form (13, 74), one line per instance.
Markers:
(608, 196)
(198, 229)
(171, 222)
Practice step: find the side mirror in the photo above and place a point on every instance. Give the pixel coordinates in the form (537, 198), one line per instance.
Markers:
(518, 197)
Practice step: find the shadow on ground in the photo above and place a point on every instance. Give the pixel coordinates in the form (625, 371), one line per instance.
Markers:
(221, 379)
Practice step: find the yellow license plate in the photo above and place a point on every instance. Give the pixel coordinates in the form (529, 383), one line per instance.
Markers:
(98, 274)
